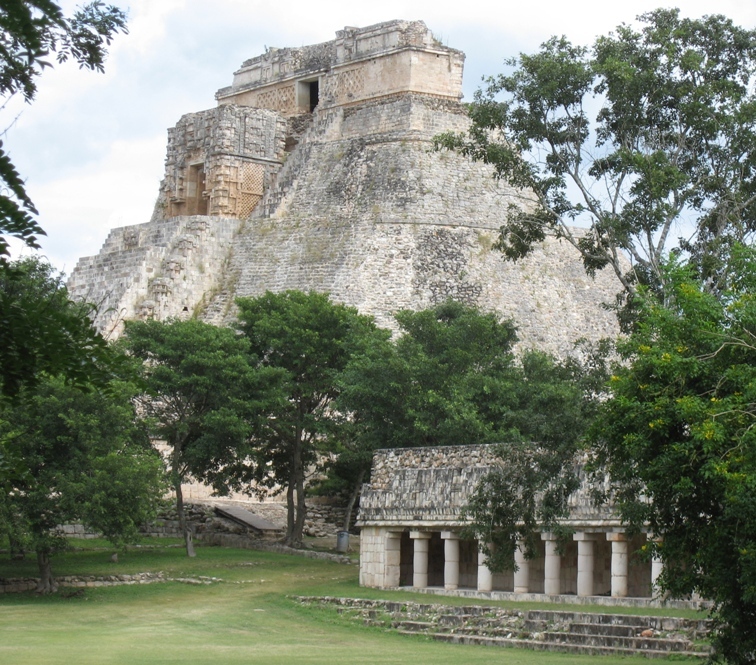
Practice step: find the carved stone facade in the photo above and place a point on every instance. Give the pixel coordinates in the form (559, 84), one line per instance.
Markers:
(219, 161)
(316, 172)
(411, 522)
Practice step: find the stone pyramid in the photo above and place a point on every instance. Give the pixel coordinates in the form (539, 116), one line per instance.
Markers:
(316, 172)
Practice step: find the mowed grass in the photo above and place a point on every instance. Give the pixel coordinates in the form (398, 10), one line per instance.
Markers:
(249, 617)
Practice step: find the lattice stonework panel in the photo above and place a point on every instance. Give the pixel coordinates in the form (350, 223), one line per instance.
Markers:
(349, 85)
(251, 182)
(283, 100)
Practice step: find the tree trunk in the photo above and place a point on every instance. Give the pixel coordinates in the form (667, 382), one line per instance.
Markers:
(46, 584)
(301, 511)
(290, 510)
(353, 500)
(182, 520)
(297, 508)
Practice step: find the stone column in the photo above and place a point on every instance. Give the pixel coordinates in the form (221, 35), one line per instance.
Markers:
(420, 540)
(585, 563)
(552, 566)
(619, 564)
(451, 560)
(392, 571)
(485, 576)
(522, 574)
(656, 567)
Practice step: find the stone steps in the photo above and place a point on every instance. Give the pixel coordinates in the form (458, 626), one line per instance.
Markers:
(543, 630)
(633, 643)
(550, 646)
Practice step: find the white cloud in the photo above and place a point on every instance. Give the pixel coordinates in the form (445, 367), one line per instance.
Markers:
(79, 208)
(92, 146)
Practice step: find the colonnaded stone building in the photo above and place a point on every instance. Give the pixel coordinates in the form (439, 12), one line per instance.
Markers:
(411, 522)
(315, 171)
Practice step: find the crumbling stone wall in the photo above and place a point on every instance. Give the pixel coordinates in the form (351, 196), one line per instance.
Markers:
(159, 270)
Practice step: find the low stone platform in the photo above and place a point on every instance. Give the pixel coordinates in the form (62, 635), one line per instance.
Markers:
(563, 599)
(542, 630)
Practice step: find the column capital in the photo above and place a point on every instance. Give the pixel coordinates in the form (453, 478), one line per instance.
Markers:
(616, 536)
(583, 535)
(420, 535)
(548, 535)
(450, 535)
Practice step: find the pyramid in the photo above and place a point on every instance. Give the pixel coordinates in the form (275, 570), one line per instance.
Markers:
(316, 171)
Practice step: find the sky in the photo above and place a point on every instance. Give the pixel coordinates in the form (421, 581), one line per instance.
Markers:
(92, 146)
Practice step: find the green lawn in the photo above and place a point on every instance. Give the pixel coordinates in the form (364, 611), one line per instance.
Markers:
(247, 618)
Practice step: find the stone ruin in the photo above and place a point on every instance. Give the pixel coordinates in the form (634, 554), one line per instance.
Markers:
(316, 171)
(412, 535)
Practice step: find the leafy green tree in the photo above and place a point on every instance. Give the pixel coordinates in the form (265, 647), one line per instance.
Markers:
(678, 438)
(451, 378)
(43, 332)
(310, 340)
(670, 148)
(554, 404)
(42, 336)
(447, 379)
(30, 32)
(85, 458)
(202, 397)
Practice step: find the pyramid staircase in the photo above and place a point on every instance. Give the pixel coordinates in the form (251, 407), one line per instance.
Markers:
(542, 630)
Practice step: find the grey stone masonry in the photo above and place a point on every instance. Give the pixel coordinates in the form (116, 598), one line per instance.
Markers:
(317, 172)
(157, 270)
(431, 486)
(360, 64)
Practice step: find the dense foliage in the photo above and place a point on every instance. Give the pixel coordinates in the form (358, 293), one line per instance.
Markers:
(43, 332)
(649, 131)
(201, 397)
(451, 378)
(310, 340)
(677, 436)
(45, 335)
(85, 459)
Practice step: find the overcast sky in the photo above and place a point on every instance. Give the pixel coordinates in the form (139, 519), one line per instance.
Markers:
(92, 146)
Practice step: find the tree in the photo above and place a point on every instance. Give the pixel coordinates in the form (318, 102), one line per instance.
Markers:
(43, 337)
(85, 459)
(672, 146)
(451, 378)
(201, 396)
(30, 32)
(678, 438)
(310, 340)
(447, 379)
(43, 332)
